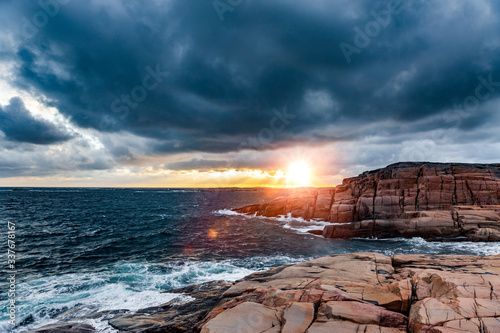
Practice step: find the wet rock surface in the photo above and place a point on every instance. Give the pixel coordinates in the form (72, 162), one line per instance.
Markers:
(66, 328)
(428, 200)
(174, 316)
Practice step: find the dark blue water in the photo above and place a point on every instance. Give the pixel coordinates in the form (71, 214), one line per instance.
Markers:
(88, 250)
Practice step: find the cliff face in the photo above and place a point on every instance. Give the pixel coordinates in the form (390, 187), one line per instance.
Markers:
(399, 188)
(413, 199)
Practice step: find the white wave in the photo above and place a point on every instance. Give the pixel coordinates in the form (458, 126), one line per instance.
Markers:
(130, 286)
(194, 272)
(266, 262)
(306, 226)
(297, 224)
(230, 212)
(166, 191)
(418, 245)
(279, 218)
(100, 325)
(460, 247)
(184, 191)
(47, 299)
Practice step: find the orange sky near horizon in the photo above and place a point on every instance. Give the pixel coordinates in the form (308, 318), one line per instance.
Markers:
(186, 179)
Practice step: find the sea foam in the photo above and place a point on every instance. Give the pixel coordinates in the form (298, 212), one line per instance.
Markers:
(126, 286)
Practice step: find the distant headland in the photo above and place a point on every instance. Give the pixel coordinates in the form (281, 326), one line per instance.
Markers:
(408, 199)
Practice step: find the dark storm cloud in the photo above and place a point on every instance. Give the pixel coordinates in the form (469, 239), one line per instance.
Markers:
(198, 164)
(19, 125)
(225, 77)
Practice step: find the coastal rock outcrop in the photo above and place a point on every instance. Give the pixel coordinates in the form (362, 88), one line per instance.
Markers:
(366, 292)
(355, 292)
(66, 328)
(429, 200)
(176, 316)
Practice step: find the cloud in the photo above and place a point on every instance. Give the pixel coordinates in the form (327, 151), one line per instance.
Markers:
(198, 164)
(19, 125)
(104, 64)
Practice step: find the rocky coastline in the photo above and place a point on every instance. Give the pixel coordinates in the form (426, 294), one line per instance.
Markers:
(410, 199)
(356, 292)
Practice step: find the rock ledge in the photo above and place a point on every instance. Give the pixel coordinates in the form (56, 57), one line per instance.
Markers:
(428, 200)
(366, 292)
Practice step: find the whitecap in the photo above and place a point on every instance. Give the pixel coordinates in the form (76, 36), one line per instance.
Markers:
(131, 286)
(230, 212)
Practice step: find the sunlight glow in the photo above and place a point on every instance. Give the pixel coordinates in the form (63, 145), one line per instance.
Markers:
(298, 174)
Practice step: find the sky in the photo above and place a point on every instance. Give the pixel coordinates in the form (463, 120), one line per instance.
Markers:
(219, 93)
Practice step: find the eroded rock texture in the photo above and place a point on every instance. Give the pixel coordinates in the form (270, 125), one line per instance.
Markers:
(356, 292)
(366, 292)
(429, 200)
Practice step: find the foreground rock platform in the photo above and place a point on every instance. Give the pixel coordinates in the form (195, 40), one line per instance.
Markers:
(428, 200)
(366, 292)
(356, 292)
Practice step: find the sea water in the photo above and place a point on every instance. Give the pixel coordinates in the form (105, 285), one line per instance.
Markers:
(82, 251)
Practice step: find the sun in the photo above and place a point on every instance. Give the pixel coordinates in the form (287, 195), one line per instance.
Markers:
(298, 174)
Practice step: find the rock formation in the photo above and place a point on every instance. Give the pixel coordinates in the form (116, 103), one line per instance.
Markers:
(176, 316)
(429, 200)
(356, 292)
(366, 292)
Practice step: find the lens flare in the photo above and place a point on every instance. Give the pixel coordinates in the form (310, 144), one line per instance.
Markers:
(212, 234)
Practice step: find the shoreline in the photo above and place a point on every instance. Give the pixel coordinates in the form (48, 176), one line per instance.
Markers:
(335, 293)
(410, 199)
(356, 291)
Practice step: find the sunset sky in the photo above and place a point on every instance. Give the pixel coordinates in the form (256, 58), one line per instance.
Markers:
(209, 93)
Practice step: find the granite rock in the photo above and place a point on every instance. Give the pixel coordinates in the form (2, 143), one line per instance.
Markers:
(356, 292)
(65, 328)
(429, 200)
(366, 292)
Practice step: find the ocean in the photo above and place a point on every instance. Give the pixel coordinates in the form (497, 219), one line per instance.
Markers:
(80, 251)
